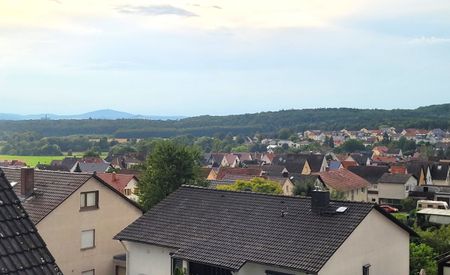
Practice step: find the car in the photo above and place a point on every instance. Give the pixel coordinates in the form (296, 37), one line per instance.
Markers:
(389, 208)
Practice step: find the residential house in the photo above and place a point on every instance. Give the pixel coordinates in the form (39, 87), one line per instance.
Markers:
(392, 188)
(77, 215)
(214, 159)
(234, 233)
(126, 184)
(12, 163)
(306, 183)
(440, 173)
(230, 160)
(294, 163)
(234, 173)
(379, 151)
(372, 174)
(345, 184)
(421, 171)
(22, 250)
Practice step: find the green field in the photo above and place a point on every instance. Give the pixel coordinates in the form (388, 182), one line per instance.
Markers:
(32, 161)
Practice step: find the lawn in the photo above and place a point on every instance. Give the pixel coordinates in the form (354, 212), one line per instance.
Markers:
(32, 161)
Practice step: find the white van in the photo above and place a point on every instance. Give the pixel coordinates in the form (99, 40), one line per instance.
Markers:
(423, 204)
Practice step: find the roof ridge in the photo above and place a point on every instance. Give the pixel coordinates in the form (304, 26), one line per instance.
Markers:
(51, 171)
(270, 195)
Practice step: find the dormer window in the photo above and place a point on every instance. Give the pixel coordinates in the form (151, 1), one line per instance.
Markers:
(89, 200)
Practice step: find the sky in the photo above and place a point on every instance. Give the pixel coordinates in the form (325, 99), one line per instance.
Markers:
(222, 57)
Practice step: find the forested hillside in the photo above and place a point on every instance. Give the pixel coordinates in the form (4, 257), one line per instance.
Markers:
(436, 116)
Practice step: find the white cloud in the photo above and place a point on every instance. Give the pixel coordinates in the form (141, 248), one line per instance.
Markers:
(429, 40)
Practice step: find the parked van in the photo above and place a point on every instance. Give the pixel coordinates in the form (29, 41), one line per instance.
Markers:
(423, 204)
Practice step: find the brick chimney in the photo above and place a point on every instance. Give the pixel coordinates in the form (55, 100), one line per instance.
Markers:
(319, 200)
(26, 181)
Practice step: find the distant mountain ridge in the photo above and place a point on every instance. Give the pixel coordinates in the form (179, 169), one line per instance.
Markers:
(99, 114)
(428, 117)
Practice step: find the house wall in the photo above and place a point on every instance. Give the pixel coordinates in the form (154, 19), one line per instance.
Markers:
(61, 230)
(288, 188)
(446, 270)
(258, 269)
(306, 169)
(395, 191)
(145, 259)
(132, 185)
(376, 241)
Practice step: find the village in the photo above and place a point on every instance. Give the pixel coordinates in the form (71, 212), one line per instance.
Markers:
(210, 228)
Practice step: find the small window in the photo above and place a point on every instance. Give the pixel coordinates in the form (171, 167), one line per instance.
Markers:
(87, 239)
(366, 269)
(362, 190)
(136, 191)
(127, 192)
(89, 200)
(88, 272)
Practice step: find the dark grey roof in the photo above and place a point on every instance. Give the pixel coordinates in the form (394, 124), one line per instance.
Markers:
(394, 178)
(92, 167)
(228, 229)
(370, 173)
(439, 171)
(22, 250)
(51, 189)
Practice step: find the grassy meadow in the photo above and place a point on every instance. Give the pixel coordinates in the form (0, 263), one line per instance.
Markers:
(32, 161)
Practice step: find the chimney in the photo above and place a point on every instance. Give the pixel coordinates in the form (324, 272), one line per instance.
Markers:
(26, 181)
(319, 200)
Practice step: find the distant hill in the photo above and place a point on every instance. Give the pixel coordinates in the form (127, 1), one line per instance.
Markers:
(99, 114)
(429, 117)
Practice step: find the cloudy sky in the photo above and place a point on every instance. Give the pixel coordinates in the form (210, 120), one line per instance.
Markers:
(195, 57)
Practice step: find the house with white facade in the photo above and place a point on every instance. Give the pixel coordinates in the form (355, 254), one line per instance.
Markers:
(392, 188)
(205, 231)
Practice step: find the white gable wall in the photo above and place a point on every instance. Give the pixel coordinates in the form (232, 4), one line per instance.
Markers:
(145, 259)
(376, 241)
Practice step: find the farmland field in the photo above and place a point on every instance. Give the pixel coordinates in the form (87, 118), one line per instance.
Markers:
(32, 161)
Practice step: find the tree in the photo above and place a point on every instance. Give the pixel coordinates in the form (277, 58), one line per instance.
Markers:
(352, 145)
(437, 238)
(169, 166)
(331, 142)
(284, 133)
(91, 153)
(259, 185)
(422, 256)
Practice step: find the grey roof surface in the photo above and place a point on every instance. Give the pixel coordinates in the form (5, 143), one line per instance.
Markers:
(88, 167)
(228, 229)
(370, 173)
(439, 171)
(394, 178)
(22, 250)
(52, 188)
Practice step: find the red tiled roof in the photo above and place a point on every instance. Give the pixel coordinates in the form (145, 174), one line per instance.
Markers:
(118, 181)
(343, 180)
(384, 159)
(348, 163)
(398, 169)
(382, 149)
